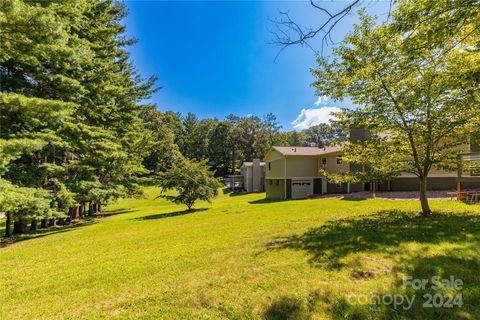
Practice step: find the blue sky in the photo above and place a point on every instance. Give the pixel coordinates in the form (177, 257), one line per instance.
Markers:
(214, 58)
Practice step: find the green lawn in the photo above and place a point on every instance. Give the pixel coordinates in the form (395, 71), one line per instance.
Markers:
(244, 258)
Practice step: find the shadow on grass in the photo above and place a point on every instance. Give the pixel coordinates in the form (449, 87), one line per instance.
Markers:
(289, 308)
(227, 190)
(262, 201)
(109, 213)
(169, 214)
(384, 234)
(234, 193)
(237, 194)
(353, 199)
(336, 239)
(40, 233)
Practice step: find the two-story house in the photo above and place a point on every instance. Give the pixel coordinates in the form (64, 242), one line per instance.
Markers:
(294, 173)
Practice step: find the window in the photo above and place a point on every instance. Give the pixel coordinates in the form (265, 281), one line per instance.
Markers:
(269, 166)
(277, 182)
(339, 160)
(301, 183)
(271, 182)
(324, 162)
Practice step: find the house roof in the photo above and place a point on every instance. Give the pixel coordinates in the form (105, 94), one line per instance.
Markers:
(306, 151)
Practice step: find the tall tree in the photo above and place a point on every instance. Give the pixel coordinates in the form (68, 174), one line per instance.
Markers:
(221, 148)
(325, 134)
(251, 135)
(164, 152)
(273, 128)
(67, 84)
(189, 126)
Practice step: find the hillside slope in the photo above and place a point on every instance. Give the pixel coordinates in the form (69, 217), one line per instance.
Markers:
(243, 258)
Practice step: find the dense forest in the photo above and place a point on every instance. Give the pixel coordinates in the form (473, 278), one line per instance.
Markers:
(76, 131)
(225, 144)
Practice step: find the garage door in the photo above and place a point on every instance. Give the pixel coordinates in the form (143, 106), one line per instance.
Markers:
(301, 188)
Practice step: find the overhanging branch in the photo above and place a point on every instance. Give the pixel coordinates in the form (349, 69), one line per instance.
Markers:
(287, 32)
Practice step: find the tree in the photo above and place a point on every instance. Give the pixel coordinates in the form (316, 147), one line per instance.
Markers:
(298, 139)
(69, 105)
(373, 160)
(325, 134)
(220, 151)
(192, 181)
(288, 32)
(11, 198)
(164, 152)
(413, 90)
(201, 139)
(252, 138)
(272, 126)
(189, 126)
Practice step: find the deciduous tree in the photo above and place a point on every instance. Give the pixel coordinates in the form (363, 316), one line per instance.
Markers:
(190, 181)
(415, 87)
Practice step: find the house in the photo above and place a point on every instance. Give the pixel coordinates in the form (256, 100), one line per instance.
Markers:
(253, 174)
(293, 173)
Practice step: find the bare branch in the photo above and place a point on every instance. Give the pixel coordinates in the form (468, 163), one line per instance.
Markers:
(287, 32)
(321, 8)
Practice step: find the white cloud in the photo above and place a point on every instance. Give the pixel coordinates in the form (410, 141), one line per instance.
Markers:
(311, 117)
(321, 99)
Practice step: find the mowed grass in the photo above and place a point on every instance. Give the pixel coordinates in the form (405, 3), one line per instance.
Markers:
(244, 258)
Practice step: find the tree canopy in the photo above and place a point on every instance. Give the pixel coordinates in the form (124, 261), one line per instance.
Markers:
(70, 101)
(415, 86)
(189, 181)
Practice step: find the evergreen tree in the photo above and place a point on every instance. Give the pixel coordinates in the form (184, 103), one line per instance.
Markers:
(221, 148)
(70, 103)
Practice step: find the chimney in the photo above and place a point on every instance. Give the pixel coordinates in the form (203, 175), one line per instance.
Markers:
(321, 145)
(359, 134)
(256, 175)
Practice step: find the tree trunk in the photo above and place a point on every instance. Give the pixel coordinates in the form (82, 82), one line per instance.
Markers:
(80, 210)
(33, 225)
(423, 197)
(90, 208)
(70, 214)
(52, 222)
(73, 213)
(44, 223)
(233, 161)
(8, 225)
(374, 190)
(99, 207)
(19, 227)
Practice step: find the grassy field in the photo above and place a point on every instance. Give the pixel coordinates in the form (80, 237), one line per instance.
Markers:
(244, 258)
